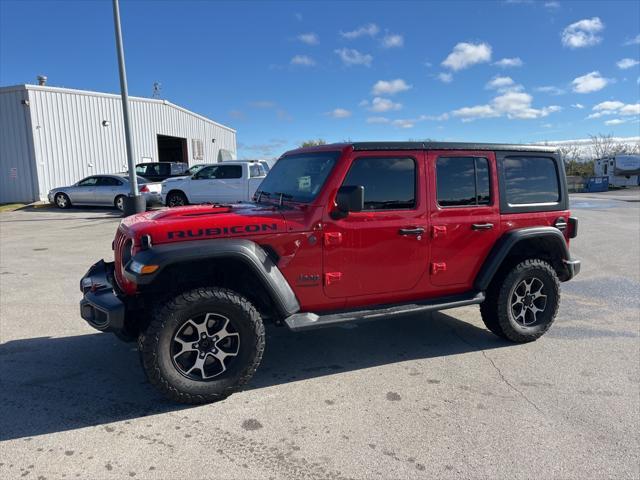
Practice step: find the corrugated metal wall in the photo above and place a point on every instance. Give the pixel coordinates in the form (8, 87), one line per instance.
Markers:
(18, 181)
(70, 141)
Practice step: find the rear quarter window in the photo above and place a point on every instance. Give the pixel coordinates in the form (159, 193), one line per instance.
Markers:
(531, 180)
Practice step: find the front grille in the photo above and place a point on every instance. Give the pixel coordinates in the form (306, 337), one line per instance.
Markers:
(122, 252)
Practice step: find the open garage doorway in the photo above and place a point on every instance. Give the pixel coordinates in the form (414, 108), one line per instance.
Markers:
(172, 149)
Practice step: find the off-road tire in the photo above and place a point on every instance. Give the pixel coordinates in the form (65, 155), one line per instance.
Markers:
(59, 204)
(155, 345)
(497, 312)
(177, 199)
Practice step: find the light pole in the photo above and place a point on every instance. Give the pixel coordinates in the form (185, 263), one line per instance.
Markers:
(134, 203)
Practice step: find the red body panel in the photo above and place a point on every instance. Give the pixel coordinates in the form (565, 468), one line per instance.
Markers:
(358, 260)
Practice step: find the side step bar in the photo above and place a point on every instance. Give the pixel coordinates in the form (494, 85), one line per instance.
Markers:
(308, 320)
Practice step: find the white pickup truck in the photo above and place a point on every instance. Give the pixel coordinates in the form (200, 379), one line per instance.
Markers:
(225, 182)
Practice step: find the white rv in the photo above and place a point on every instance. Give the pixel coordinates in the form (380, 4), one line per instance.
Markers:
(622, 170)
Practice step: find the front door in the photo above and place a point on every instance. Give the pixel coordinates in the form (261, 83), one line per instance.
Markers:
(465, 214)
(382, 250)
(85, 191)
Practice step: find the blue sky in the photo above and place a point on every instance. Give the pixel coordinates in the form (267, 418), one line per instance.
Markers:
(283, 72)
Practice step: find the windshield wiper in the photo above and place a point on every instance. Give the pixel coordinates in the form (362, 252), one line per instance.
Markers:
(259, 195)
(283, 195)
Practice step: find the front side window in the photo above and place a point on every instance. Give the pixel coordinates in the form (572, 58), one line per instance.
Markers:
(88, 182)
(389, 183)
(299, 177)
(530, 180)
(463, 181)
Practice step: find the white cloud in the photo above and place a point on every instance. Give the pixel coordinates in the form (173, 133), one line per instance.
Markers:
(351, 56)
(583, 33)
(339, 113)
(633, 41)
(465, 55)
(627, 63)
(370, 30)
(392, 41)
(615, 107)
(309, 38)
(615, 121)
(511, 104)
(378, 120)
(390, 87)
(445, 77)
(509, 62)
(499, 82)
(380, 105)
(304, 60)
(591, 82)
(550, 89)
(553, 5)
(579, 106)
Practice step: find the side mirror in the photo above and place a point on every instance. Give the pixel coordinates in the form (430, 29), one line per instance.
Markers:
(350, 198)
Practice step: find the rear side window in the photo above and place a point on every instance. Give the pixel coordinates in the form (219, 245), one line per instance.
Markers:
(256, 171)
(109, 182)
(531, 180)
(463, 181)
(389, 183)
(220, 172)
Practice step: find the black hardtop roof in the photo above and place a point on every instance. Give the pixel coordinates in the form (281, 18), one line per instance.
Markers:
(451, 146)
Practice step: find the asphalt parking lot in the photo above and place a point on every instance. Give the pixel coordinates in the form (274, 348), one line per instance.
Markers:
(421, 397)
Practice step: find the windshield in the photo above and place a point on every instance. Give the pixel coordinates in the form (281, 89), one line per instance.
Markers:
(195, 169)
(298, 177)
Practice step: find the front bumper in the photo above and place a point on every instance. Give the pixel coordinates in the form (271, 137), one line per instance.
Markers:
(101, 307)
(573, 268)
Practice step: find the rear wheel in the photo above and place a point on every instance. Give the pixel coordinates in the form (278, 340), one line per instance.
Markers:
(119, 202)
(522, 305)
(62, 200)
(202, 345)
(176, 199)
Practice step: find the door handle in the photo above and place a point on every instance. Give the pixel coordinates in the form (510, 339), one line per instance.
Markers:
(411, 231)
(482, 226)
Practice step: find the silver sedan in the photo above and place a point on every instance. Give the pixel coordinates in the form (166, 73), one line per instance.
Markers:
(108, 190)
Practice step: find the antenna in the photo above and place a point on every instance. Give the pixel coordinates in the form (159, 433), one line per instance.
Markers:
(157, 86)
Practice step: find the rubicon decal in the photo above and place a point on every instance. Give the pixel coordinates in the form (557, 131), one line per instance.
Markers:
(217, 231)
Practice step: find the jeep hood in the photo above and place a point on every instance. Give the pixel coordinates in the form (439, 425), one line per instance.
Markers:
(205, 221)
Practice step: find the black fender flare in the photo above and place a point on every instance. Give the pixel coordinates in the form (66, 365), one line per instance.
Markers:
(504, 245)
(246, 251)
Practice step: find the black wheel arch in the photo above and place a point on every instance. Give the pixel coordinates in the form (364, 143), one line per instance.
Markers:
(546, 243)
(239, 264)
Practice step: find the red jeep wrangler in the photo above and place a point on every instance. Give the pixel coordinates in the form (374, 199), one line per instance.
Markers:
(338, 233)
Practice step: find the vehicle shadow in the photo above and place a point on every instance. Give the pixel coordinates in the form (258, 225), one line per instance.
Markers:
(58, 384)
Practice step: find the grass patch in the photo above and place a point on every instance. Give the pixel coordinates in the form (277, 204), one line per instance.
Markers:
(10, 207)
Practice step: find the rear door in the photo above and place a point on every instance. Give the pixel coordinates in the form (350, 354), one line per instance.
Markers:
(218, 183)
(382, 250)
(107, 189)
(465, 214)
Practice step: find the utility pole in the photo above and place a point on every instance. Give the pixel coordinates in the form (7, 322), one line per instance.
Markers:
(134, 203)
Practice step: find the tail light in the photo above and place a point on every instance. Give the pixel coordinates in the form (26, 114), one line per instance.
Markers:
(144, 189)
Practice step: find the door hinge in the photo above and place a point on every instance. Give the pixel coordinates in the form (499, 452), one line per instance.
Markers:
(332, 277)
(438, 231)
(332, 238)
(438, 267)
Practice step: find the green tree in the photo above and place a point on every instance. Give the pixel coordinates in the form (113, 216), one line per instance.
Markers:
(313, 142)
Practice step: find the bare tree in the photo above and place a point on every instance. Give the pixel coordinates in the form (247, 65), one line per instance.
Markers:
(313, 142)
(603, 146)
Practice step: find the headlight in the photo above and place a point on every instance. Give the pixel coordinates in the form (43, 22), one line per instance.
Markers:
(141, 268)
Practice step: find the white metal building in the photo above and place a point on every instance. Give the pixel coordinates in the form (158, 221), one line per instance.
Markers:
(52, 137)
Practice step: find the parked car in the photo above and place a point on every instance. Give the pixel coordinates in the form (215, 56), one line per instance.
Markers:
(264, 164)
(108, 190)
(338, 234)
(159, 171)
(225, 182)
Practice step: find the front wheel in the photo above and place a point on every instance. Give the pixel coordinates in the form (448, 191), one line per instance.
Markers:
(202, 345)
(62, 200)
(522, 305)
(176, 199)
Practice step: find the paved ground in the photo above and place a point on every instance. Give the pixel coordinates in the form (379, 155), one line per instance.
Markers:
(412, 398)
